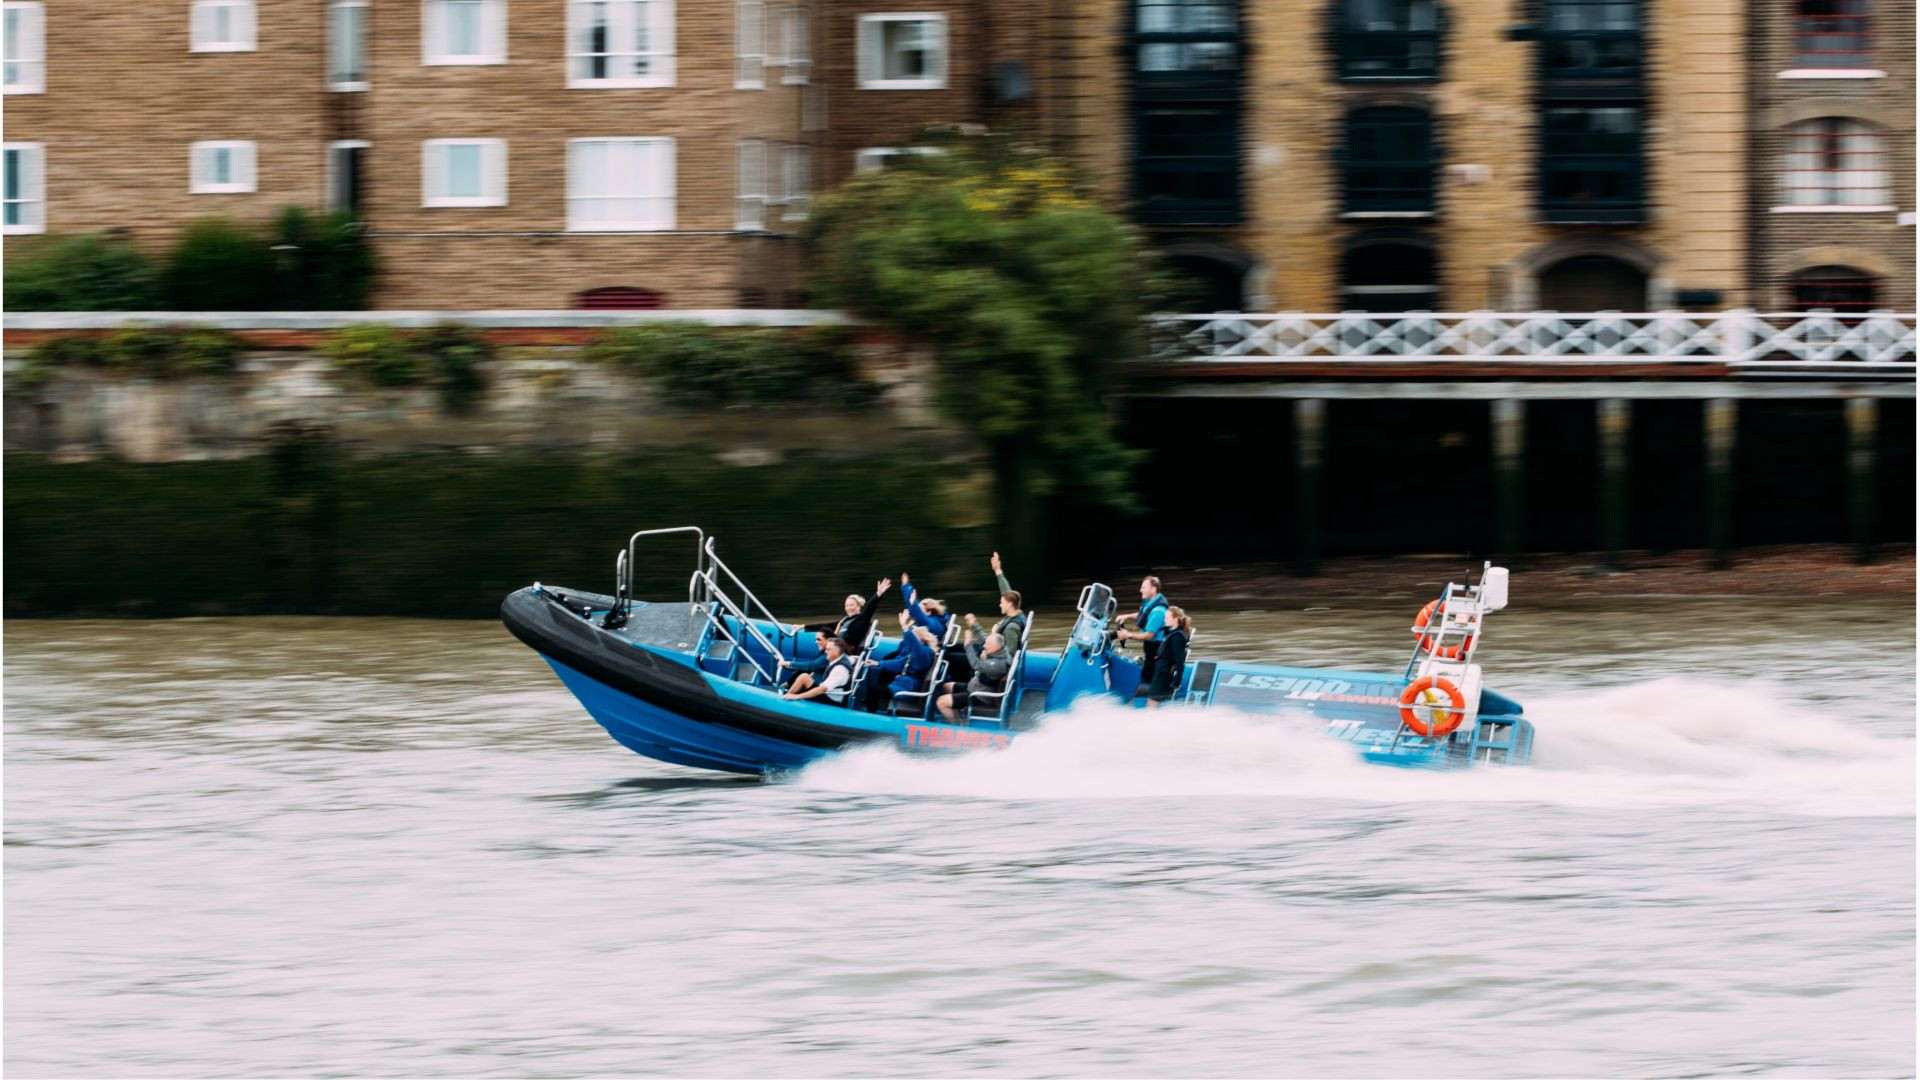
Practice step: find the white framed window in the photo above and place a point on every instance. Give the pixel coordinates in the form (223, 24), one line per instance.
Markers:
(344, 176)
(614, 43)
(797, 33)
(221, 168)
(776, 35)
(223, 26)
(25, 207)
(750, 185)
(796, 181)
(749, 51)
(455, 32)
(620, 185)
(874, 158)
(903, 50)
(1833, 163)
(26, 48)
(347, 45)
(463, 172)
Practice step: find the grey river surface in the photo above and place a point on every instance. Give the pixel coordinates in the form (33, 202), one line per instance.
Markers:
(371, 847)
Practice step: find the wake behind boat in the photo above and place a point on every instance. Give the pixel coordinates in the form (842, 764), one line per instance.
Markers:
(696, 682)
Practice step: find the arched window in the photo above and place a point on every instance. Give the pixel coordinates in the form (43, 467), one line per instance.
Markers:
(620, 298)
(1389, 277)
(1593, 283)
(1389, 39)
(1833, 161)
(1834, 288)
(1389, 160)
(1831, 34)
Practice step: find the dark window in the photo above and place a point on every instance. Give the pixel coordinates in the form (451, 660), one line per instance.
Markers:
(1590, 163)
(1389, 39)
(1389, 160)
(620, 297)
(1188, 163)
(1389, 277)
(753, 298)
(1591, 39)
(1831, 34)
(1186, 39)
(1835, 288)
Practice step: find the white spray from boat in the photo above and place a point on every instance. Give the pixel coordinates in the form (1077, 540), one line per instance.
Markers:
(1672, 741)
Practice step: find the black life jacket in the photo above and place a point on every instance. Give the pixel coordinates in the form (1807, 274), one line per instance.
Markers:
(1017, 617)
(839, 696)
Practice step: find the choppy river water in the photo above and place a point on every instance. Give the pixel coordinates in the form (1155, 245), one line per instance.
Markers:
(269, 847)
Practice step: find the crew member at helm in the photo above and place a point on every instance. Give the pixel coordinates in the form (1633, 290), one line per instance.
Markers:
(1150, 626)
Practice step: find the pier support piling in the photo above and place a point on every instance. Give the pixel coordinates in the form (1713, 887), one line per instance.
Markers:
(1614, 418)
(1509, 419)
(1309, 447)
(1863, 425)
(1719, 425)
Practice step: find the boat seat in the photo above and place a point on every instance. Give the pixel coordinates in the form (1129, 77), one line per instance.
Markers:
(924, 698)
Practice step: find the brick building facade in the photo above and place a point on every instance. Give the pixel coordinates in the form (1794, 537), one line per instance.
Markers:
(1339, 155)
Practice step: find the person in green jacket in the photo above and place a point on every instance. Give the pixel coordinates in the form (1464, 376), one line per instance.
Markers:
(1013, 621)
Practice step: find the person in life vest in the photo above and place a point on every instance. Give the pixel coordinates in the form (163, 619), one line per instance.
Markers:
(908, 667)
(832, 686)
(852, 627)
(1013, 621)
(1150, 624)
(991, 665)
(1171, 665)
(789, 670)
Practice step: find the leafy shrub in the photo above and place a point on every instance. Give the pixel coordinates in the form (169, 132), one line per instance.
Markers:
(454, 354)
(697, 365)
(89, 272)
(156, 352)
(220, 265)
(375, 353)
(165, 352)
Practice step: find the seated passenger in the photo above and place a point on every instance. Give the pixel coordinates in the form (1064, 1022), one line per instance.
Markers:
(834, 685)
(991, 663)
(1171, 665)
(853, 626)
(909, 665)
(787, 670)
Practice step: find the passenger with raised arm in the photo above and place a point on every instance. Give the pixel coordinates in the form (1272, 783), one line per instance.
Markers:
(1171, 665)
(1013, 620)
(991, 665)
(1149, 625)
(931, 614)
(907, 669)
(852, 627)
(832, 687)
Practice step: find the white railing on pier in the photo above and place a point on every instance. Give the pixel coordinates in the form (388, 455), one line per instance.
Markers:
(1725, 337)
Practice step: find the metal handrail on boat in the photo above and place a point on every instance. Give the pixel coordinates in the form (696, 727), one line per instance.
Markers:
(726, 603)
(623, 572)
(713, 560)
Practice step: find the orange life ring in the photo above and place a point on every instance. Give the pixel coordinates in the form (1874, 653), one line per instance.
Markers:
(1432, 641)
(1416, 694)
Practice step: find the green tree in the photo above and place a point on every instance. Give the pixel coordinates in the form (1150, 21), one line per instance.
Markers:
(1028, 292)
(321, 263)
(88, 272)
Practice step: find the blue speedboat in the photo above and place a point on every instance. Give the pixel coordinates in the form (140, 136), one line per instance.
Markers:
(693, 682)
